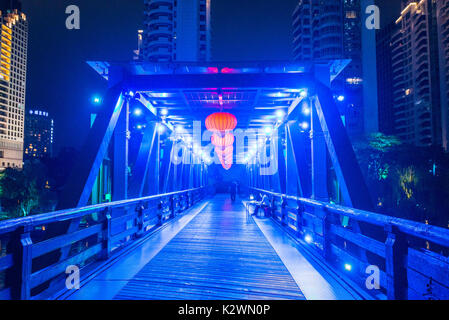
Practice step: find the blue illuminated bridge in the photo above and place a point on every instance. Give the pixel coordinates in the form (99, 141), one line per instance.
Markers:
(147, 212)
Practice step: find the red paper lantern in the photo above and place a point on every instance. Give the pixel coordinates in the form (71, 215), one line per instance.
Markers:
(225, 151)
(221, 121)
(227, 140)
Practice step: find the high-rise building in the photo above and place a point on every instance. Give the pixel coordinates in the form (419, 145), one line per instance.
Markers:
(443, 39)
(327, 30)
(13, 62)
(39, 134)
(384, 51)
(176, 30)
(416, 85)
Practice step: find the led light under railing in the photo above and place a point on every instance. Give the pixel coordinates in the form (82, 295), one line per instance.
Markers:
(308, 238)
(341, 98)
(139, 127)
(348, 267)
(303, 93)
(164, 112)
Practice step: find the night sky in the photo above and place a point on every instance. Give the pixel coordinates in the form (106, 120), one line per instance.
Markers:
(60, 81)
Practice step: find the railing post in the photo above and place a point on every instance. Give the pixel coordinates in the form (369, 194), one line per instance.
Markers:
(160, 213)
(107, 235)
(139, 211)
(18, 277)
(299, 223)
(396, 264)
(284, 212)
(25, 263)
(188, 201)
(326, 234)
(172, 207)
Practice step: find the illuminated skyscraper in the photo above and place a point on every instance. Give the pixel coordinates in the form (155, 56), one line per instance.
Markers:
(176, 30)
(416, 83)
(39, 134)
(328, 30)
(443, 39)
(13, 62)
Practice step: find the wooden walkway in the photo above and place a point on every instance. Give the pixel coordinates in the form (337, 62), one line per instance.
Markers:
(220, 254)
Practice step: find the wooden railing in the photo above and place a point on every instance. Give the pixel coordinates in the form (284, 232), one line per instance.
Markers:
(35, 251)
(411, 257)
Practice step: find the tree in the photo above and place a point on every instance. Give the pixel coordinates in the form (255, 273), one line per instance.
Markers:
(19, 194)
(407, 181)
(27, 191)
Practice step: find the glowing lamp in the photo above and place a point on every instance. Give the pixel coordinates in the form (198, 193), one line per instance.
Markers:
(308, 239)
(96, 100)
(137, 112)
(304, 125)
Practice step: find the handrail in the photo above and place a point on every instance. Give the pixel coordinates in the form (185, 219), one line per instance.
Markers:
(407, 268)
(431, 233)
(67, 214)
(98, 239)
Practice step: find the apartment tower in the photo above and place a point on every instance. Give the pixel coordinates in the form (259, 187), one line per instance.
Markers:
(416, 86)
(443, 40)
(175, 30)
(13, 62)
(332, 30)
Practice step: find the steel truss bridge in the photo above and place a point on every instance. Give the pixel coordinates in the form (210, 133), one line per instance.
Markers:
(138, 226)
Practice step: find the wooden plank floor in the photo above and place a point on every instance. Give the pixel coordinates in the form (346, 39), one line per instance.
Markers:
(220, 254)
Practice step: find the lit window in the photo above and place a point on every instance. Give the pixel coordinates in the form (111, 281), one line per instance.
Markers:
(351, 14)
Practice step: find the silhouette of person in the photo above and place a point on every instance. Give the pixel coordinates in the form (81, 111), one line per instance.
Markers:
(233, 191)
